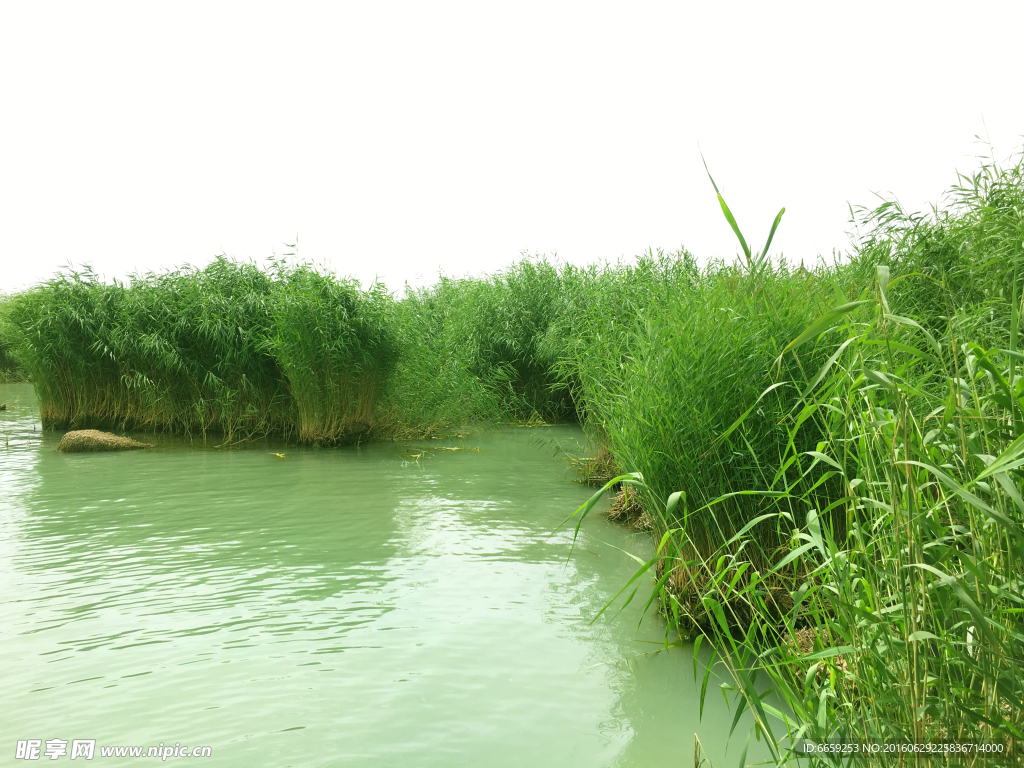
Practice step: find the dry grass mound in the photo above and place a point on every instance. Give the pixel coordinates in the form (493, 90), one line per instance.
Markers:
(82, 440)
(626, 509)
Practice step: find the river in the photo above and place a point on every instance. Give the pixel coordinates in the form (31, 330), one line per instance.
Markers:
(386, 605)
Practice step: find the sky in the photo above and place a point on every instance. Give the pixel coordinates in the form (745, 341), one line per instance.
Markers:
(399, 140)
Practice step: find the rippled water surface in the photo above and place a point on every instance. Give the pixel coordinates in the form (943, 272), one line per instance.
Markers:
(331, 607)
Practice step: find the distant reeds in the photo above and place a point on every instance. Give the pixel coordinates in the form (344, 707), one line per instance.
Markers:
(229, 349)
(11, 367)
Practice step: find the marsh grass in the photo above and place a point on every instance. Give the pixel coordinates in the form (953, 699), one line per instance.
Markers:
(180, 351)
(893, 612)
(230, 349)
(11, 366)
(672, 363)
(335, 346)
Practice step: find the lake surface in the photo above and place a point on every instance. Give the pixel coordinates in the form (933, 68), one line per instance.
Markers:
(344, 607)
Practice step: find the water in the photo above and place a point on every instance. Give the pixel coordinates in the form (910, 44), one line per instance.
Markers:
(330, 608)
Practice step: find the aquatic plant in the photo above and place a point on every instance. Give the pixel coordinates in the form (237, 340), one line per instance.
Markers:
(667, 356)
(230, 348)
(903, 619)
(336, 346)
(180, 351)
(433, 389)
(11, 367)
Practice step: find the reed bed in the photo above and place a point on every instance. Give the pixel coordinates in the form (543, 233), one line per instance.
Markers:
(230, 349)
(891, 613)
(181, 351)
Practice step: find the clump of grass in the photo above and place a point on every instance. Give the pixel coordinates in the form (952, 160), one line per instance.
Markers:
(915, 614)
(514, 335)
(480, 351)
(336, 347)
(230, 349)
(434, 389)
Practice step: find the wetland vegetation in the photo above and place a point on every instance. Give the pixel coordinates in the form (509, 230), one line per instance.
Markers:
(829, 456)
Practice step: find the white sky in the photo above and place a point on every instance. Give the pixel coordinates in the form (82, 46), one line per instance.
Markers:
(400, 139)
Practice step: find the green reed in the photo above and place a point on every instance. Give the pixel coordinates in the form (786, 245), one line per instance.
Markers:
(336, 347)
(11, 367)
(230, 349)
(893, 613)
(434, 388)
(683, 361)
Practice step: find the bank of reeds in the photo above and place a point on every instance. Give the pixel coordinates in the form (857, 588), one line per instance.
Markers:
(692, 350)
(891, 619)
(11, 367)
(230, 349)
(180, 351)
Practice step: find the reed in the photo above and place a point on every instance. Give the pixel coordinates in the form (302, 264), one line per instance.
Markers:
(668, 356)
(11, 367)
(434, 389)
(901, 597)
(335, 346)
(180, 351)
(229, 349)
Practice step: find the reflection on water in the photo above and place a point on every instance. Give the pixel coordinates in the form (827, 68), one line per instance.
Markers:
(332, 607)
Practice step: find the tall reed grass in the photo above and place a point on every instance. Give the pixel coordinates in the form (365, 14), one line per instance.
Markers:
(690, 350)
(11, 367)
(180, 351)
(893, 613)
(335, 346)
(230, 349)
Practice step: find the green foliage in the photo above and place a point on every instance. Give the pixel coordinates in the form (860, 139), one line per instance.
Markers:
(434, 388)
(893, 613)
(11, 367)
(668, 356)
(178, 351)
(513, 333)
(229, 349)
(481, 351)
(336, 347)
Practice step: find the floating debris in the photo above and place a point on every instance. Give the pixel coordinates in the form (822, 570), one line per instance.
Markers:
(93, 440)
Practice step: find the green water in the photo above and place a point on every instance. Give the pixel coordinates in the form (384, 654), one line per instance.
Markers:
(332, 607)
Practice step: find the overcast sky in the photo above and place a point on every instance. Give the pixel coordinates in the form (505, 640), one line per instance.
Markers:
(402, 139)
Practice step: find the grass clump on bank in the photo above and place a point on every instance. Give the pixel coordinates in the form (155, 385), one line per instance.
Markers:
(664, 386)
